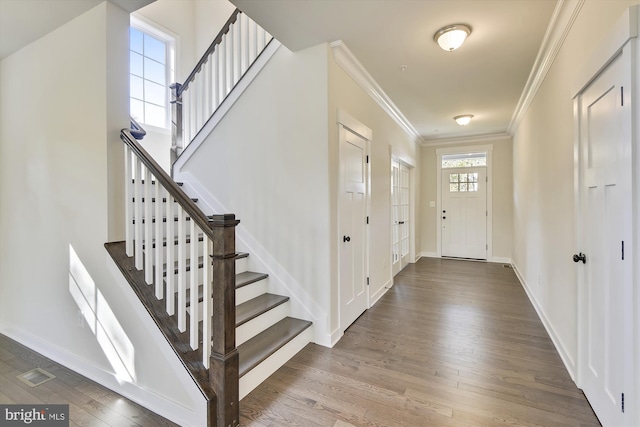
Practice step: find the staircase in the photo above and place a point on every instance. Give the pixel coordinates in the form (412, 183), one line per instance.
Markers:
(218, 316)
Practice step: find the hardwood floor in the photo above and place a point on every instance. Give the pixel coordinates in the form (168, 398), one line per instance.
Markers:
(89, 403)
(453, 343)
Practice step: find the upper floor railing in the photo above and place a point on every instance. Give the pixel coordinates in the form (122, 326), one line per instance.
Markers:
(234, 50)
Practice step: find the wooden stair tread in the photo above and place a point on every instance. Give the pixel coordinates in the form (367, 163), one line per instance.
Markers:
(263, 345)
(200, 265)
(242, 279)
(255, 307)
(175, 241)
(249, 277)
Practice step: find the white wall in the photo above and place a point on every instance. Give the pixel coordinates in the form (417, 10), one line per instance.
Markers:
(543, 165)
(502, 187)
(388, 140)
(266, 162)
(60, 182)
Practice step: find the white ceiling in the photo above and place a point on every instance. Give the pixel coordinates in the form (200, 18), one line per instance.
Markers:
(485, 77)
(24, 21)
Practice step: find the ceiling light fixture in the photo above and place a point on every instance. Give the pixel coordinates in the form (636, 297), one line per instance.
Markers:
(451, 37)
(464, 119)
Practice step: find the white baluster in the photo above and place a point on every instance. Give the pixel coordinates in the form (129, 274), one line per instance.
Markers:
(231, 59)
(129, 204)
(148, 228)
(208, 104)
(159, 256)
(223, 68)
(193, 285)
(138, 192)
(193, 105)
(206, 302)
(170, 276)
(255, 40)
(246, 45)
(215, 77)
(186, 117)
(182, 273)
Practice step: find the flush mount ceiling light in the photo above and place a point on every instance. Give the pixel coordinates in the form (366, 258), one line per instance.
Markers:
(451, 37)
(464, 119)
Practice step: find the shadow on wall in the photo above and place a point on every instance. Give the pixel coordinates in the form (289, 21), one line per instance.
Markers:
(110, 335)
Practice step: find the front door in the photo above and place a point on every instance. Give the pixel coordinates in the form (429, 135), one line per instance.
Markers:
(353, 220)
(464, 212)
(605, 234)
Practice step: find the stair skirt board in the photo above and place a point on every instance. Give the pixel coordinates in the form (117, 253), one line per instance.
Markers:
(257, 375)
(254, 326)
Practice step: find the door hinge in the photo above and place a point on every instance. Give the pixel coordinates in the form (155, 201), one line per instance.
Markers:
(486, 179)
(622, 96)
(367, 220)
(367, 159)
(623, 250)
(622, 403)
(367, 281)
(486, 246)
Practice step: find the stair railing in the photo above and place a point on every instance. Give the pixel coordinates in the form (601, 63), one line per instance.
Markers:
(187, 234)
(233, 51)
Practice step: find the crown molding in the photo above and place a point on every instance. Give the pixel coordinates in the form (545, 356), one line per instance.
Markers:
(350, 64)
(562, 19)
(494, 137)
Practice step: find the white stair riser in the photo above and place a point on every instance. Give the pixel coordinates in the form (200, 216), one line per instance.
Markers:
(253, 327)
(242, 265)
(251, 291)
(257, 375)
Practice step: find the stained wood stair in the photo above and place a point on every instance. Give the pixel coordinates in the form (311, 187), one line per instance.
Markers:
(265, 333)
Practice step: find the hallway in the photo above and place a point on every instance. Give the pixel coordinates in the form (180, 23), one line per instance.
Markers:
(453, 343)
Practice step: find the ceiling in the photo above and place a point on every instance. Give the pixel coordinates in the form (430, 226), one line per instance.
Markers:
(25, 21)
(485, 77)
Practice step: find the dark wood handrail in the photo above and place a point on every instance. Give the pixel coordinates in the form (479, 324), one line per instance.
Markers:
(203, 221)
(225, 29)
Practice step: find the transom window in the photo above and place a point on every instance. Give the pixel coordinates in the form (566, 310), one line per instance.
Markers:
(464, 160)
(150, 73)
(460, 182)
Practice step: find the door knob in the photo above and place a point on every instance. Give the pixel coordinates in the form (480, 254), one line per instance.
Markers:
(444, 217)
(580, 257)
(444, 211)
(346, 238)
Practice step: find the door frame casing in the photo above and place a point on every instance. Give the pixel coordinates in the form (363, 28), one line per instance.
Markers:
(622, 39)
(347, 123)
(488, 149)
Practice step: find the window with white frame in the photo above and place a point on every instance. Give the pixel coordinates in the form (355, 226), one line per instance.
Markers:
(469, 160)
(151, 64)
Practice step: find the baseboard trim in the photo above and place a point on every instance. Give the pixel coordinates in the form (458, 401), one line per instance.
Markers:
(373, 299)
(568, 361)
(501, 260)
(429, 255)
(143, 397)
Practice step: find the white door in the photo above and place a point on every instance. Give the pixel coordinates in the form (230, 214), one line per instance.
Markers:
(395, 218)
(403, 219)
(464, 212)
(399, 216)
(605, 233)
(353, 220)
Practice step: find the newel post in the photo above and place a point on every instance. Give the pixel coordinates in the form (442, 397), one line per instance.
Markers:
(176, 121)
(223, 370)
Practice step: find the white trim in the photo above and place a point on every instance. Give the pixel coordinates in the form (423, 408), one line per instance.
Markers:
(429, 255)
(226, 105)
(500, 260)
(373, 299)
(354, 125)
(568, 361)
(488, 149)
(350, 64)
(564, 15)
(494, 137)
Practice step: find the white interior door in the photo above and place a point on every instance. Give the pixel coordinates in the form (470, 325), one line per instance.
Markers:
(395, 217)
(403, 219)
(353, 207)
(464, 212)
(605, 232)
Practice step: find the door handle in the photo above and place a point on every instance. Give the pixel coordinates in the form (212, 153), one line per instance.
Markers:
(401, 222)
(346, 238)
(580, 257)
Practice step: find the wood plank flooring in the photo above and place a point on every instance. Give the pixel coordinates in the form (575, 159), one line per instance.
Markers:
(453, 343)
(90, 404)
